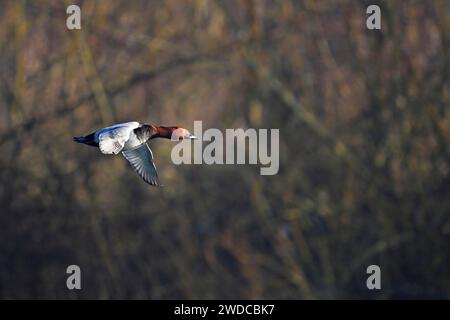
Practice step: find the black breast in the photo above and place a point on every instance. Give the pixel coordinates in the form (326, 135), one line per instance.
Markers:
(143, 133)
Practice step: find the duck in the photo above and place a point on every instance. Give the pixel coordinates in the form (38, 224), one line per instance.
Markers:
(132, 140)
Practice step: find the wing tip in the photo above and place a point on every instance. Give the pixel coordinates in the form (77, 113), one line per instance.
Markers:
(154, 182)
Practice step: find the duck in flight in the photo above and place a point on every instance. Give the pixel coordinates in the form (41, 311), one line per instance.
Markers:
(131, 139)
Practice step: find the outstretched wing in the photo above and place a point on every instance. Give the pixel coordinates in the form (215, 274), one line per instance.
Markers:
(112, 140)
(141, 159)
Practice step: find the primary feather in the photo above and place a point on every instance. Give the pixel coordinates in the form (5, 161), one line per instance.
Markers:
(141, 159)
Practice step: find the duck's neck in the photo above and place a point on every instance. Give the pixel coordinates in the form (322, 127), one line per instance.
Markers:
(162, 132)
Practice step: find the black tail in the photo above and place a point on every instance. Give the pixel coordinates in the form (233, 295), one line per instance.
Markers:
(79, 139)
(89, 140)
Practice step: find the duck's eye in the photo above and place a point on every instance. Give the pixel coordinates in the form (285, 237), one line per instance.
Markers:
(180, 138)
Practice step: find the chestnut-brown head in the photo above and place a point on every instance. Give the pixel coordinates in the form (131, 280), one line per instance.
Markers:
(172, 133)
(180, 134)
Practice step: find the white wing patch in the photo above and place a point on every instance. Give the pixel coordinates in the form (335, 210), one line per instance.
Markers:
(112, 140)
(110, 145)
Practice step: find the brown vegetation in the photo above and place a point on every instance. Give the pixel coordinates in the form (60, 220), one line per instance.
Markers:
(364, 124)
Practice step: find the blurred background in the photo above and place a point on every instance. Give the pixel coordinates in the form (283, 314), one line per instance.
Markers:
(364, 124)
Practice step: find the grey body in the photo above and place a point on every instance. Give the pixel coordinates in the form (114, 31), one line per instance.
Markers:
(130, 139)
